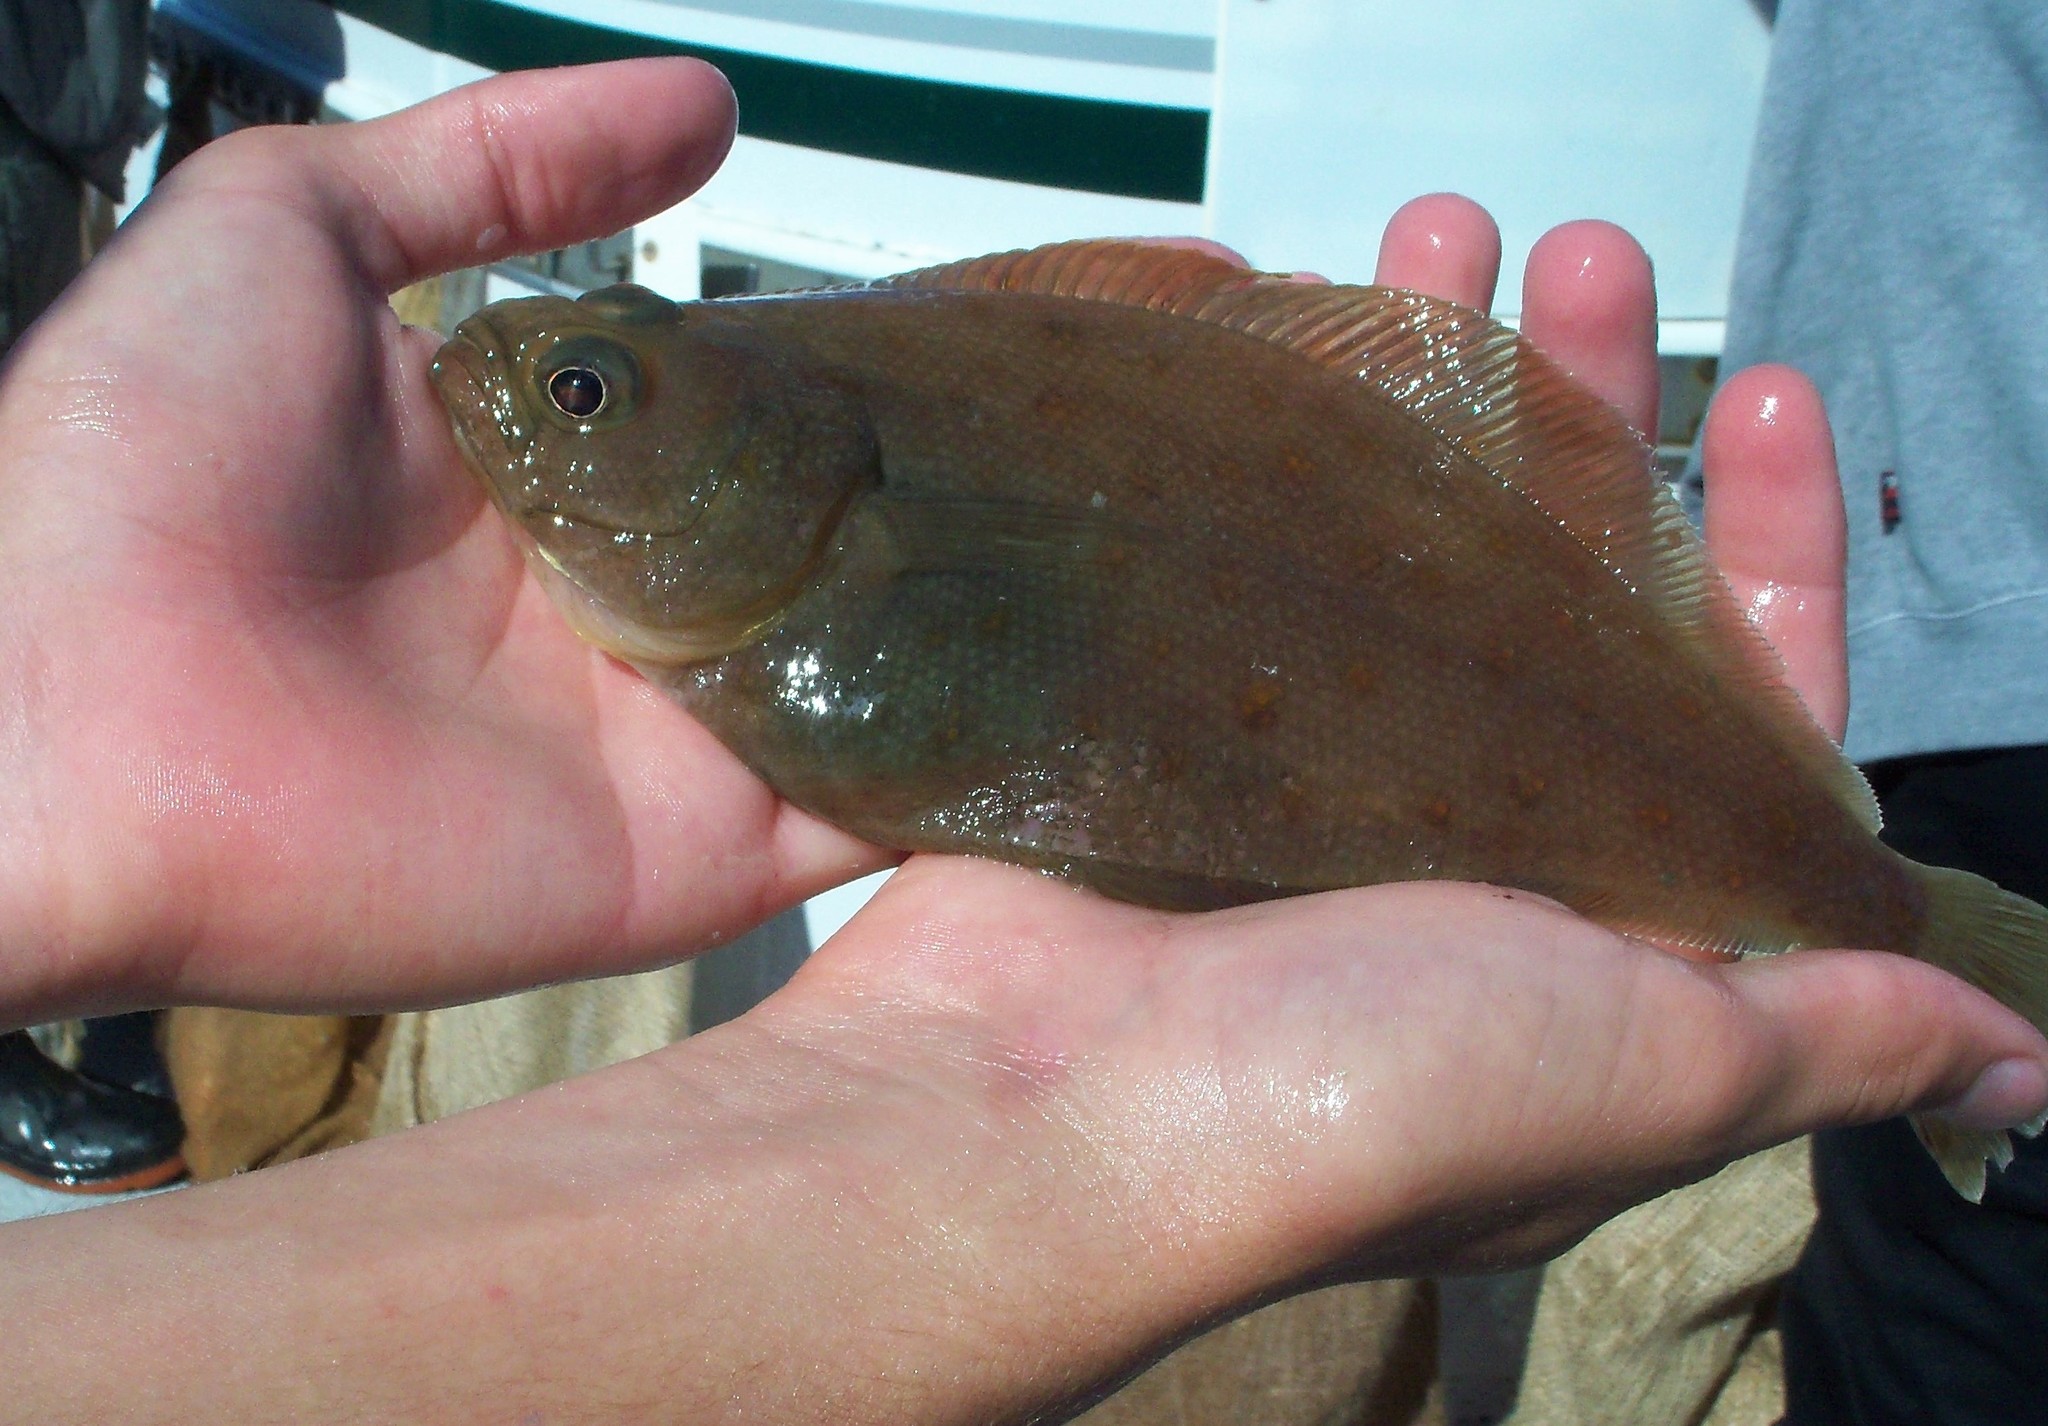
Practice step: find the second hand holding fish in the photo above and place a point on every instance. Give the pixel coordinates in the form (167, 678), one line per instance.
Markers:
(1197, 586)
(1281, 1087)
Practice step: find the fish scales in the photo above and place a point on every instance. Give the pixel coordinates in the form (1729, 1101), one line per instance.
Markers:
(1258, 592)
(1275, 590)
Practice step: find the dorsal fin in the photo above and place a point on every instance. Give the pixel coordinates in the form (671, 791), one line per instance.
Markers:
(1485, 390)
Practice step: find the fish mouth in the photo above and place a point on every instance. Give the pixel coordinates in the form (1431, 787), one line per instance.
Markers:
(463, 376)
(462, 367)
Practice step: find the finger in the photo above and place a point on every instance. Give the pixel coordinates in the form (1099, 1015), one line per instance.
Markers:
(1863, 1036)
(522, 163)
(1589, 301)
(1444, 245)
(1775, 525)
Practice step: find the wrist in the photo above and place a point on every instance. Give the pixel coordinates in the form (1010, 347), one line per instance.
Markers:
(1072, 1168)
(782, 1220)
(859, 1204)
(988, 1250)
(81, 909)
(54, 929)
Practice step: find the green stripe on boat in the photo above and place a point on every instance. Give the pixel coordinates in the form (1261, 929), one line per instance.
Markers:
(1091, 145)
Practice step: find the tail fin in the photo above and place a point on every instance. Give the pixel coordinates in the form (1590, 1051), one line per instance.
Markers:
(1997, 942)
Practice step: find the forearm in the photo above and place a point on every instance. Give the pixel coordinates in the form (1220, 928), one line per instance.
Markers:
(736, 1228)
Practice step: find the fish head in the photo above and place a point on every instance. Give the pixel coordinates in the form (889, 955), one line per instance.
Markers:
(675, 479)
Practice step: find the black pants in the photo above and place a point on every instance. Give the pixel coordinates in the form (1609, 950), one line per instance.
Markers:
(1910, 1305)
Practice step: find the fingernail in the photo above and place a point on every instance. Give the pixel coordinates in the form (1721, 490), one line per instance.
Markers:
(2011, 1094)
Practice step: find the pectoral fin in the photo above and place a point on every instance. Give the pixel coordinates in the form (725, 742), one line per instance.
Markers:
(943, 534)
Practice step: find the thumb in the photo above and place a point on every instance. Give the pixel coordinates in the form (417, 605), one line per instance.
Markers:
(1861, 1036)
(514, 164)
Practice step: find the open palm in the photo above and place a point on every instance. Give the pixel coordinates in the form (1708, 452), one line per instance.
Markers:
(299, 722)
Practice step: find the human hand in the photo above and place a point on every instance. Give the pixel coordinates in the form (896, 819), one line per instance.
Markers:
(1525, 1074)
(286, 721)
(1774, 514)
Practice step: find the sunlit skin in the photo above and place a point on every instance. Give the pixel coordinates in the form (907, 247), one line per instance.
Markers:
(287, 723)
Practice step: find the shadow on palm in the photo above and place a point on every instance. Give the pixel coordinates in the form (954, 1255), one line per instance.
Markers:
(352, 755)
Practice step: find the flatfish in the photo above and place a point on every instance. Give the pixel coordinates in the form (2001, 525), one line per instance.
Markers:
(1196, 586)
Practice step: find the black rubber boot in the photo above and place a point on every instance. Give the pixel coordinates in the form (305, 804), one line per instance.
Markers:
(72, 1133)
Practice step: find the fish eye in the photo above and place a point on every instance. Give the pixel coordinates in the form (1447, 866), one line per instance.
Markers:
(578, 392)
(585, 379)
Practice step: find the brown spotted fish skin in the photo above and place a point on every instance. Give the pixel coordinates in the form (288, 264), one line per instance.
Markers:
(1197, 586)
